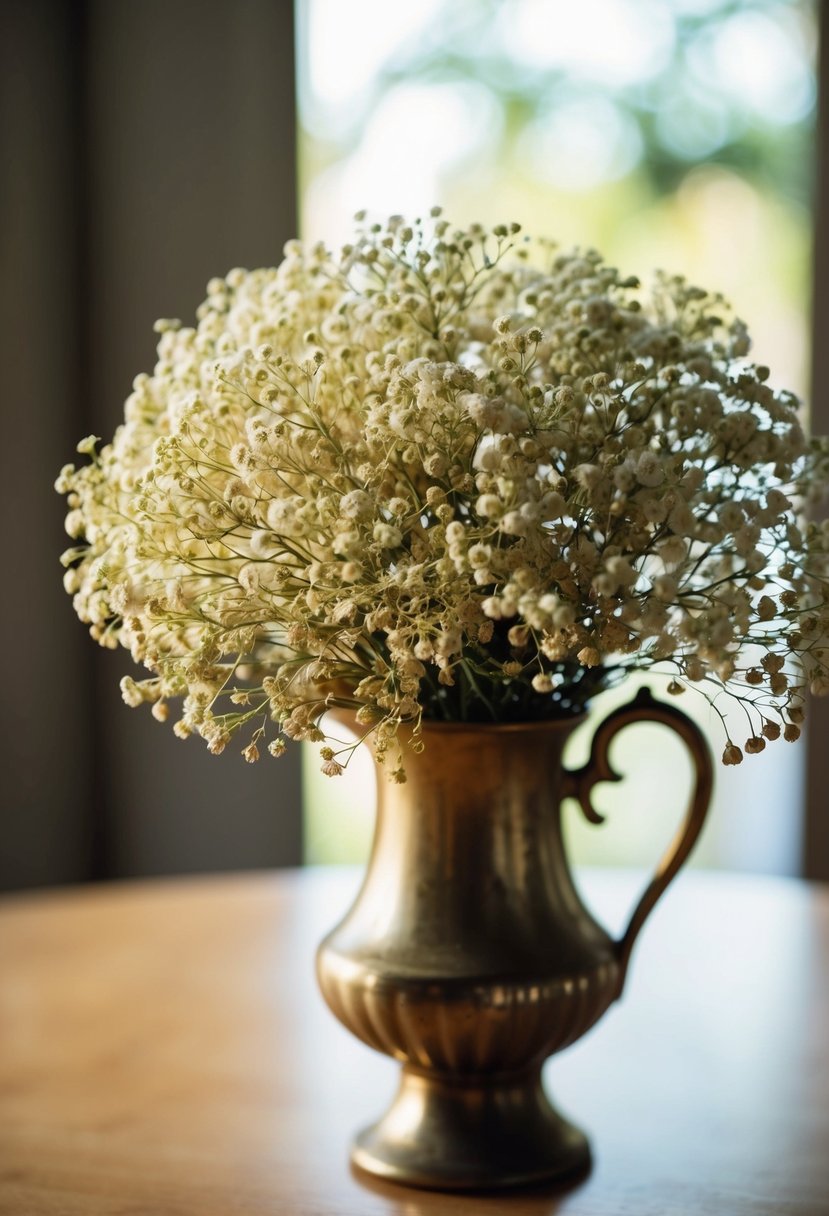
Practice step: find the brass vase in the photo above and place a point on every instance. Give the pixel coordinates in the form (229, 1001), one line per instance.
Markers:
(468, 955)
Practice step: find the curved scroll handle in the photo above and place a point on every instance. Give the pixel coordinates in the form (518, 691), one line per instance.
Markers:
(579, 783)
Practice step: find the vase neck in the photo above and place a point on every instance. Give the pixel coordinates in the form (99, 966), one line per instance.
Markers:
(469, 851)
(481, 771)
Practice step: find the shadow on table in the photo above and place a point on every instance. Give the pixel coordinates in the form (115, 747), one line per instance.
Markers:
(538, 1200)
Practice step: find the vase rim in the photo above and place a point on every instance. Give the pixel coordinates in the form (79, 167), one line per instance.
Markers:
(531, 724)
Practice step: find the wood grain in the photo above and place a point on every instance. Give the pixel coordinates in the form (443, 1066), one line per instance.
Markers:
(164, 1052)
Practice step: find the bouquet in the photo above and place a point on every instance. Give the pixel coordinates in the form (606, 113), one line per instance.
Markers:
(455, 475)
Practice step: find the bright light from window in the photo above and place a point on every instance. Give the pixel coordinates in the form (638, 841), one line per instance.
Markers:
(347, 43)
(579, 144)
(761, 66)
(672, 133)
(413, 135)
(614, 43)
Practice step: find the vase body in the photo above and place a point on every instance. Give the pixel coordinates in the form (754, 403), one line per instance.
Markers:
(469, 957)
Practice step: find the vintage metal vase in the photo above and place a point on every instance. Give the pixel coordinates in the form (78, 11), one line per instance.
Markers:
(469, 956)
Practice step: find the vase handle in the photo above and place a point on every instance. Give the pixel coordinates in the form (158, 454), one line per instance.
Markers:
(579, 784)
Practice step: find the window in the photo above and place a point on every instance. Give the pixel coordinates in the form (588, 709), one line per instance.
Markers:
(676, 134)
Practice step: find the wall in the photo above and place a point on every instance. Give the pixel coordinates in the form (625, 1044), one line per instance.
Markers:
(144, 148)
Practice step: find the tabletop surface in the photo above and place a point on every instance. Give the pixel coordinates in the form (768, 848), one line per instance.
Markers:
(164, 1052)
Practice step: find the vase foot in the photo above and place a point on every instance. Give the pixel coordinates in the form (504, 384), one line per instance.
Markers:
(457, 1134)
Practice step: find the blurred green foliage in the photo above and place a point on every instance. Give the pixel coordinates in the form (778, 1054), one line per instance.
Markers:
(677, 133)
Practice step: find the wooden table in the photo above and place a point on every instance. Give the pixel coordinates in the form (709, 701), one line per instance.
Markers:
(164, 1052)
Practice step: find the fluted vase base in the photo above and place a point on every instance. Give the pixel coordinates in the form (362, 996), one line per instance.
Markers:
(464, 1134)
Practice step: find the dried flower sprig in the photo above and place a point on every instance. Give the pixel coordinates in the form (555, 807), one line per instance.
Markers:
(451, 474)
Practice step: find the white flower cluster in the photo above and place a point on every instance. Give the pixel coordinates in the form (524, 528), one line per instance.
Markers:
(451, 474)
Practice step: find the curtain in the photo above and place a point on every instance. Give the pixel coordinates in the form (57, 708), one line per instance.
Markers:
(145, 148)
(816, 825)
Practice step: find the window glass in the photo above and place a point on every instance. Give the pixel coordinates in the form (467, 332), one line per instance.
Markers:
(666, 133)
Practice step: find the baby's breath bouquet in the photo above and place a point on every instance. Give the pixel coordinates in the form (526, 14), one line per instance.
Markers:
(455, 475)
